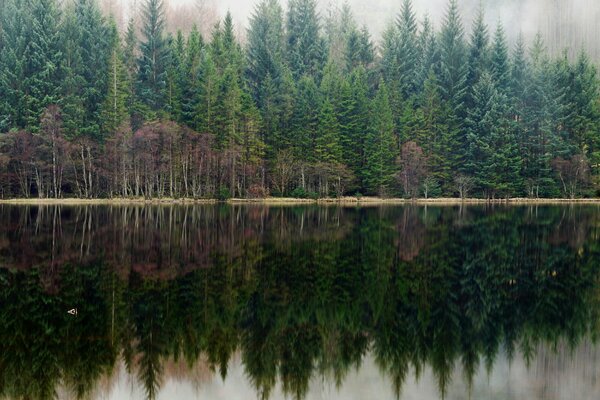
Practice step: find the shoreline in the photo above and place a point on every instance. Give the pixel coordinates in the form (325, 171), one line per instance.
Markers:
(345, 201)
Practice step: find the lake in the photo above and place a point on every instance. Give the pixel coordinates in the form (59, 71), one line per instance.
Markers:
(302, 302)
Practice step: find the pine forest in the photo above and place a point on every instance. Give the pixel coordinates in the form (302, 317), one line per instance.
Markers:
(299, 107)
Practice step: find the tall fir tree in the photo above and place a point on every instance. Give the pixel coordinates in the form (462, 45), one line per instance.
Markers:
(191, 76)
(43, 59)
(408, 55)
(354, 107)
(327, 143)
(306, 48)
(114, 108)
(380, 146)
(15, 30)
(499, 62)
(479, 56)
(153, 60)
(265, 69)
(452, 80)
(85, 67)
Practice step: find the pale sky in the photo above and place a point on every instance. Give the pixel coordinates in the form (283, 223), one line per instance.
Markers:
(564, 23)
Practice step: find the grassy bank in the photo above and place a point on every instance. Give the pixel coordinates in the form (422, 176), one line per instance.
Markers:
(356, 201)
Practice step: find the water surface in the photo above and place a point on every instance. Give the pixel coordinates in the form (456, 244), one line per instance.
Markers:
(238, 302)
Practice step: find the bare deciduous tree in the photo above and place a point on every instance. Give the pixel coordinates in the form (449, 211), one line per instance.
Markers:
(412, 163)
(572, 173)
(463, 184)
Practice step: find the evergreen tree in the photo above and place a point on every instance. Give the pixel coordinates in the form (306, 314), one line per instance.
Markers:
(429, 52)
(15, 25)
(359, 50)
(43, 59)
(306, 48)
(305, 122)
(114, 108)
(176, 76)
(151, 85)
(191, 75)
(205, 113)
(478, 53)
(265, 69)
(434, 138)
(499, 63)
(354, 118)
(86, 39)
(539, 113)
(407, 56)
(452, 80)
(492, 155)
(327, 143)
(380, 153)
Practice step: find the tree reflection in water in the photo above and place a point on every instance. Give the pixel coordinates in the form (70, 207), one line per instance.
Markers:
(298, 292)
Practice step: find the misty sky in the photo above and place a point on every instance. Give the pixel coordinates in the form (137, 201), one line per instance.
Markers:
(527, 15)
(563, 23)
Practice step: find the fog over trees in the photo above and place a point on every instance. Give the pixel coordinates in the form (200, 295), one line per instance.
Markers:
(297, 101)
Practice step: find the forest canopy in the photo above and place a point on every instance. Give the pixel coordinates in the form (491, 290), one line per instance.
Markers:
(304, 108)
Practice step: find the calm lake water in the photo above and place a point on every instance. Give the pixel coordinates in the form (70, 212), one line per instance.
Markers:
(242, 302)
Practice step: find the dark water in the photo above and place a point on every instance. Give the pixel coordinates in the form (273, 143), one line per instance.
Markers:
(221, 302)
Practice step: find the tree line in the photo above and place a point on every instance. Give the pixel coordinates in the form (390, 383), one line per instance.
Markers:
(307, 107)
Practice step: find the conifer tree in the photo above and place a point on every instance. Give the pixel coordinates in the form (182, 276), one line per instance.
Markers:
(354, 118)
(408, 56)
(153, 60)
(191, 74)
(306, 48)
(15, 25)
(499, 62)
(452, 80)
(304, 121)
(43, 59)
(380, 146)
(114, 108)
(478, 52)
(327, 143)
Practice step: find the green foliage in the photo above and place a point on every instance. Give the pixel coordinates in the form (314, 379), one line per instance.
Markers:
(223, 194)
(306, 48)
(380, 145)
(302, 82)
(154, 58)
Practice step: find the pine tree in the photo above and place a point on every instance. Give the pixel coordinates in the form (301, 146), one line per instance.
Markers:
(43, 60)
(452, 80)
(191, 78)
(304, 121)
(492, 156)
(429, 52)
(408, 56)
(434, 138)
(306, 48)
(265, 69)
(327, 143)
(153, 60)
(499, 63)
(207, 95)
(354, 117)
(85, 39)
(380, 145)
(176, 76)
(540, 109)
(478, 53)
(114, 108)
(15, 25)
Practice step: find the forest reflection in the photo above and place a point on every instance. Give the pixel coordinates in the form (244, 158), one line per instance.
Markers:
(296, 292)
